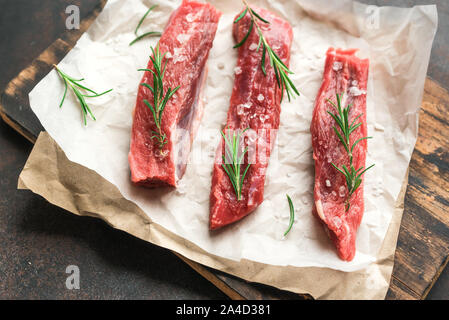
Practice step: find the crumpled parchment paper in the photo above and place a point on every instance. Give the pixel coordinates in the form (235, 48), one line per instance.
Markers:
(397, 42)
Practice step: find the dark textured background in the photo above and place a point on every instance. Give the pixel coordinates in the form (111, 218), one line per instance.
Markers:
(38, 240)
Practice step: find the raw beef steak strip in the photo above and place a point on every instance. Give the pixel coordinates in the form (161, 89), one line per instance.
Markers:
(348, 75)
(187, 40)
(255, 104)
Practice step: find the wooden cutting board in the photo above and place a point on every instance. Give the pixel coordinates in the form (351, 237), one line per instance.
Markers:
(423, 244)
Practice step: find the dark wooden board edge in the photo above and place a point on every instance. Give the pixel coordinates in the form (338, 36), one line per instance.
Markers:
(422, 251)
(16, 94)
(17, 127)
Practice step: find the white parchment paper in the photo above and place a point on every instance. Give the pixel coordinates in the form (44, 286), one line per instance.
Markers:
(397, 42)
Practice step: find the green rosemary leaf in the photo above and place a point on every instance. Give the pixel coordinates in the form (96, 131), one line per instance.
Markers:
(258, 48)
(259, 17)
(365, 170)
(152, 109)
(246, 36)
(244, 175)
(146, 85)
(292, 215)
(281, 71)
(160, 97)
(292, 86)
(65, 94)
(337, 119)
(76, 87)
(355, 119)
(338, 168)
(148, 34)
(357, 141)
(352, 129)
(84, 88)
(98, 94)
(343, 141)
(144, 17)
(352, 175)
(357, 184)
(232, 161)
(332, 103)
(264, 53)
(280, 62)
(241, 15)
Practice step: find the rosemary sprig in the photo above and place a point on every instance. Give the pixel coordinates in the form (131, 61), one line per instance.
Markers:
(353, 176)
(232, 161)
(151, 33)
(281, 71)
(144, 17)
(160, 98)
(76, 87)
(292, 215)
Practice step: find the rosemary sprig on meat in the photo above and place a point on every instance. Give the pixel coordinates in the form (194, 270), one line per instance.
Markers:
(352, 175)
(292, 215)
(76, 87)
(281, 71)
(147, 34)
(233, 159)
(160, 98)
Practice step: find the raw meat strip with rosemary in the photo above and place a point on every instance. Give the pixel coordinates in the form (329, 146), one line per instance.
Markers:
(185, 42)
(341, 213)
(255, 105)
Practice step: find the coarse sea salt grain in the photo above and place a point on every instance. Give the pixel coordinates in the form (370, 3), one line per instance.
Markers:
(260, 97)
(379, 127)
(305, 199)
(243, 108)
(177, 56)
(238, 70)
(253, 46)
(263, 118)
(183, 37)
(190, 17)
(328, 183)
(337, 66)
(337, 221)
(341, 191)
(355, 92)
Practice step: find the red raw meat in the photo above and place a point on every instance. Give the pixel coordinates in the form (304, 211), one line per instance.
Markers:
(255, 104)
(344, 74)
(187, 39)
